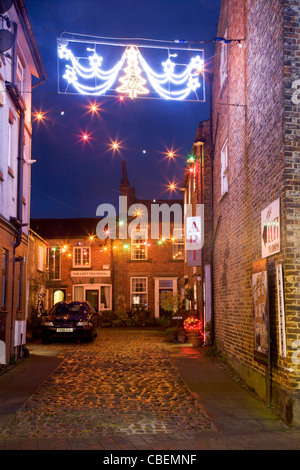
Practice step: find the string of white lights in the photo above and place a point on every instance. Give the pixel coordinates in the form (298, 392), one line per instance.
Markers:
(132, 81)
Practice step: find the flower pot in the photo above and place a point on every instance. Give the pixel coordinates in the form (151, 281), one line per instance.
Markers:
(196, 341)
(181, 338)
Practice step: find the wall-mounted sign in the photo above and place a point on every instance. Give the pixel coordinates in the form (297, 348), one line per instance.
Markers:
(194, 233)
(281, 313)
(260, 311)
(270, 229)
(90, 273)
(193, 258)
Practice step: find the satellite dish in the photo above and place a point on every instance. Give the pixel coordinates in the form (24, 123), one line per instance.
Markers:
(5, 5)
(7, 40)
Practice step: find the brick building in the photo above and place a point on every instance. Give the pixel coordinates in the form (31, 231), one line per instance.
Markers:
(115, 272)
(20, 65)
(255, 188)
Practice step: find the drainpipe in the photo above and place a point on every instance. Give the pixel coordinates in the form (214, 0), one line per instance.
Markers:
(19, 219)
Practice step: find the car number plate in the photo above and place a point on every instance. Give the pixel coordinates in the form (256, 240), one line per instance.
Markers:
(64, 330)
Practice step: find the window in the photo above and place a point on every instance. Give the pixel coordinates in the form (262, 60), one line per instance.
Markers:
(178, 244)
(54, 262)
(81, 257)
(224, 168)
(223, 62)
(105, 297)
(138, 294)
(40, 258)
(20, 74)
(9, 149)
(139, 246)
(4, 278)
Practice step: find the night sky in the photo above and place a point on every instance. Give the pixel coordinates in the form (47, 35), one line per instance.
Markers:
(71, 177)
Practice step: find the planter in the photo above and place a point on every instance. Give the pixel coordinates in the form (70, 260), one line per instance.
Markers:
(196, 341)
(181, 338)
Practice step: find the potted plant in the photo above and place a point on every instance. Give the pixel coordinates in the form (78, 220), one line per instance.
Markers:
(171, 334)
(193, 327)
(181, 336)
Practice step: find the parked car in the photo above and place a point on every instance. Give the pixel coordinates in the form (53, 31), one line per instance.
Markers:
(70, 319)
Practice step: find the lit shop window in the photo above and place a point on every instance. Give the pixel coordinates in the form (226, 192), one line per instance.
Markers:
(139, 246)
(138, 292)
(81, 257)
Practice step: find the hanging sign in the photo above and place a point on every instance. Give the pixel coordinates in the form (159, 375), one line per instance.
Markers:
(193, 258)
(91, 66)
(270, 229)
(260, 311)
(281, 312)
(194, 238)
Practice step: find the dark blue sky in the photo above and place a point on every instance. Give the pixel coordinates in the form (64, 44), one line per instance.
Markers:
(71, 178)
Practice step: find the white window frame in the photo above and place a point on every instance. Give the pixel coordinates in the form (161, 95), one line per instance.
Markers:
(20, 74)
(223, 62)
(94, 287)
(10, 146)
(178, 239)
(136, 250)
(81, 264)
(135, 293)
(224, 168)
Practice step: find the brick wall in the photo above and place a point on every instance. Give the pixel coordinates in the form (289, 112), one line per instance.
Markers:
(255, 112)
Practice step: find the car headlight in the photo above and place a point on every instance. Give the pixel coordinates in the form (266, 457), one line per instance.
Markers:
(48, 323)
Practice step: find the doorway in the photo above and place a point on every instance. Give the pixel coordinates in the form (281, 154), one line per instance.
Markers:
(92, 296)
(162, 285)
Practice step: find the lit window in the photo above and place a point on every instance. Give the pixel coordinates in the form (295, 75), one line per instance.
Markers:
(54, 262)
(224, 168)
(138, 294)
(139, 246)
(178, 245)
(81, 257)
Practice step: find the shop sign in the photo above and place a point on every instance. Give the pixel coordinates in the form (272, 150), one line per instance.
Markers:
(90, 273)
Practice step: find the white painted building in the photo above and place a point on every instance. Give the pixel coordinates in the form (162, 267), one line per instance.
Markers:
(21, 69)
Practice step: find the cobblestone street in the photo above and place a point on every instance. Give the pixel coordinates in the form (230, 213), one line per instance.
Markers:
(124, 382)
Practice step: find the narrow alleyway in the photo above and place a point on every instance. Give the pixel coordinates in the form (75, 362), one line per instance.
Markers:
(126, 391)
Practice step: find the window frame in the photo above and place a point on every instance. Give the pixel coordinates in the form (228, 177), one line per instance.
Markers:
(81, 265)
(134, 246)
(223, 62)
(54, 278)
(177, 241)
(224, 168)
(133, 293)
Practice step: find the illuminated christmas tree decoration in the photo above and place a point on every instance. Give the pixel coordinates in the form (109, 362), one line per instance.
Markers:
(133, 82)
(176, 76)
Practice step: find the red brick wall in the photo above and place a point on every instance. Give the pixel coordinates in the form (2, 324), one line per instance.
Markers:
(255, 112)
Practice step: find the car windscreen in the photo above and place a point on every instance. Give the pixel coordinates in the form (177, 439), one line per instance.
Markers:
(72, 308)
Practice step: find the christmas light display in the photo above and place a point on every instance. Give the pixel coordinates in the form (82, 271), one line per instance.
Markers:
(178, 81)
